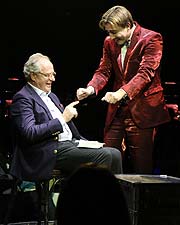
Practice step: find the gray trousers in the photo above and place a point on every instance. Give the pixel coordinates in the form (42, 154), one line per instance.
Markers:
(70, 157)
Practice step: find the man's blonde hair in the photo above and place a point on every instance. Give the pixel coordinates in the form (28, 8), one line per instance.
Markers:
(116, 16)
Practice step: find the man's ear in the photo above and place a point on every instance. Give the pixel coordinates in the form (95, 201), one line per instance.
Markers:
(33, 76)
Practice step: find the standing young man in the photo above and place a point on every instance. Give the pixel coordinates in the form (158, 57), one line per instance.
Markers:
(131, 55)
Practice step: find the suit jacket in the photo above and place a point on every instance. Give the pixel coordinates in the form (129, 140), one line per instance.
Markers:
(140, 77)
(35, 135)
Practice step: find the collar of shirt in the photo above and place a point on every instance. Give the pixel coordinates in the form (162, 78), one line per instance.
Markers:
(39, 91)
(132, 31)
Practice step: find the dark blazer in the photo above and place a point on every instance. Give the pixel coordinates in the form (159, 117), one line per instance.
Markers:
(140, 77)
(35, 135)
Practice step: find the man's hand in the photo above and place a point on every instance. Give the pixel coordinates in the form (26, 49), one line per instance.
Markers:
(70, 111)
(82, 93)
(114, 97)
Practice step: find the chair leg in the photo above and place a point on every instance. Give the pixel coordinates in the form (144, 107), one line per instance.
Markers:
(46, 201)
(11, 201)
(39, 193)
(43, 200)
(44, 190)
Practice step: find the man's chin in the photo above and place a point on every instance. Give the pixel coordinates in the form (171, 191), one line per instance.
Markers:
(48, 90)
(119, 42)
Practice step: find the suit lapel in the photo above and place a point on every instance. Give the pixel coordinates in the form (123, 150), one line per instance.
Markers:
(132, 46)
(38, 100)
(56, 102)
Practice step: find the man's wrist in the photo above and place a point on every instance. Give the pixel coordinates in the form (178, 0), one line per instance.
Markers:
(122, 93)
(90, 90)
(125, 97)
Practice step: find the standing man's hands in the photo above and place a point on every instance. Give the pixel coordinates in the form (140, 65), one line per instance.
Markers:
(114, 97)
(70, 111)
(82, 93)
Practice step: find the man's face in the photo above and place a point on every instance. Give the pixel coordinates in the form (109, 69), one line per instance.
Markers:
(43, 80)
(119, 34)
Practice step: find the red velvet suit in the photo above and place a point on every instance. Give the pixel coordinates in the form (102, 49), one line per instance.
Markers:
(140, 78)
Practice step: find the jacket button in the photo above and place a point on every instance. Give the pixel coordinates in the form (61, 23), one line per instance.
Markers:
(55, 151)
(55, 138)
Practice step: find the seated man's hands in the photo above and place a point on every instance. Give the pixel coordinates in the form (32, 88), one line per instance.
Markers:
(70, 111)
(82, 93)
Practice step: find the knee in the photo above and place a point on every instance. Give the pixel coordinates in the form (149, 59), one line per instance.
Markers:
(116, 153)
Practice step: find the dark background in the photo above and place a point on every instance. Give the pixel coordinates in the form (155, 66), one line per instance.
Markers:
(68, 32)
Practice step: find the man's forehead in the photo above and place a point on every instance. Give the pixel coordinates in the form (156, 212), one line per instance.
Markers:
(110, 26)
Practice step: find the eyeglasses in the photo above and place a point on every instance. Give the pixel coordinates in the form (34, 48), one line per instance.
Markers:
(48, 75)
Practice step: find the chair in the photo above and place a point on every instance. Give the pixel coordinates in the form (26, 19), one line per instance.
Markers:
(44, 190)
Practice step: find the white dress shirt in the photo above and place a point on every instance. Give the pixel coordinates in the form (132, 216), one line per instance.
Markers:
(125, 46)
(56, 113)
